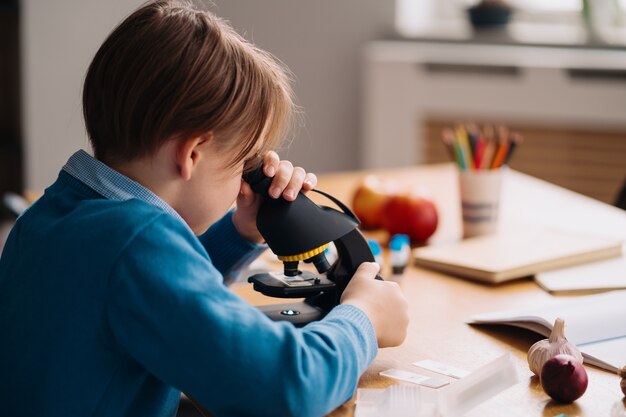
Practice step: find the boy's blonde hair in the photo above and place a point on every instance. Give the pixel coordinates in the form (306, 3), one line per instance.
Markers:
(172, 71)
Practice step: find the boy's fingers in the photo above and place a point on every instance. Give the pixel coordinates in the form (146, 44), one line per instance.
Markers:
(281, 178)
(367, 270)
(246, 195)
(310, 181)
(286, 179)
(245, 189)
(295, 184)
(271, 160)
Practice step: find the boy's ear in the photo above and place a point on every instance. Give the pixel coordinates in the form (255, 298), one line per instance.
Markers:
(189, 152)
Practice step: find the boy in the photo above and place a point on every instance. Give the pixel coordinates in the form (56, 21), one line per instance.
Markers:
(112, 295)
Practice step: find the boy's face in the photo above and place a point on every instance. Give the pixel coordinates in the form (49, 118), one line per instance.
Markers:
(212, 190)
(213, 187)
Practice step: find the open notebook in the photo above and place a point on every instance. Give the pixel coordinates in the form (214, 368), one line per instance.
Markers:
(594, 323)
(516, 254)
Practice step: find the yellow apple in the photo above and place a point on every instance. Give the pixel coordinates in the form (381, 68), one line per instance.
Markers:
(370, 198)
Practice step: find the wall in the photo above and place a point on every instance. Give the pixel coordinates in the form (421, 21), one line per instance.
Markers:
(321, 43)
(59, 39)
(319, 40)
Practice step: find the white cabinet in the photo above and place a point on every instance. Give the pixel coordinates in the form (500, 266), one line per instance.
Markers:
(408, 84)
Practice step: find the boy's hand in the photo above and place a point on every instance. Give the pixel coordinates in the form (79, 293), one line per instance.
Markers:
(287, 182)
(382, 301)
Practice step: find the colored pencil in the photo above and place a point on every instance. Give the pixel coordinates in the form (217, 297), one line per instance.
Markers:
(447, 137)
(460, 155)
(473, 148)
(463, 141)
(479, 151)
(498, 159)
(515, 141)
(488, 152)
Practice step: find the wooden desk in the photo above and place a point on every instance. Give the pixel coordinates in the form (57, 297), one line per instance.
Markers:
(440, 304)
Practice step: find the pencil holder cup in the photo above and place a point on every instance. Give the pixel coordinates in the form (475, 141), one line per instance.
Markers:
(480, 200)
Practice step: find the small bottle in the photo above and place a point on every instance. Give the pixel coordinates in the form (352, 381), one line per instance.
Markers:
(331, 253)
(377, 251)
(400, 252)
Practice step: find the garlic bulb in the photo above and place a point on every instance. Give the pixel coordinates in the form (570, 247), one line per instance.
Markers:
(619, 409)
(543, 350)
(622, 383)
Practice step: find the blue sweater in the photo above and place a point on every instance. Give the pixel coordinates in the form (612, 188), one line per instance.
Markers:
(111, 307)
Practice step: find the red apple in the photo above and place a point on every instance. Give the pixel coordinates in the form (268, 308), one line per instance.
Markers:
(369, 199)
(410, 214)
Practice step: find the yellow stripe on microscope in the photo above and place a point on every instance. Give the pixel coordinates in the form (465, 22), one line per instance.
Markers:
(305, 255)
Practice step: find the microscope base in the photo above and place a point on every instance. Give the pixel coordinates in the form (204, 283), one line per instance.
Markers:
(298, 313)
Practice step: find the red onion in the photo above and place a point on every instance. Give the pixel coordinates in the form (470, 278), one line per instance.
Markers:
(564, 378)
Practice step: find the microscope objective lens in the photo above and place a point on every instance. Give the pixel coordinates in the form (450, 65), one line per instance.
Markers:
(320, 262)
(291, 269)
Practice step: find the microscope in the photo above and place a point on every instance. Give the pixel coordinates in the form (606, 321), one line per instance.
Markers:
(300, 231)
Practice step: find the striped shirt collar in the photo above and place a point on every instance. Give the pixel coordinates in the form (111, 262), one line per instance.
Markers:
(110, 183)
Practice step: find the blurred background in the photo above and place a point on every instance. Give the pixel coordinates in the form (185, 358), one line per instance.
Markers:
(377, 81)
